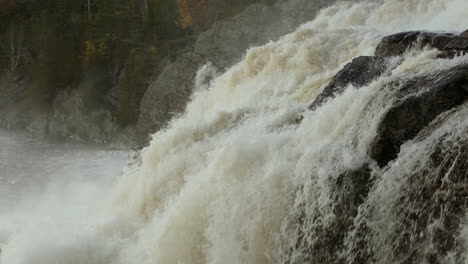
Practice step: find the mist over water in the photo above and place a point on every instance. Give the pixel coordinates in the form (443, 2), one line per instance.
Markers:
(225, 182)
(50, 190)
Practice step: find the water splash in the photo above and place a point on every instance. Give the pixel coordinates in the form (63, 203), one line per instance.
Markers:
(236, 180)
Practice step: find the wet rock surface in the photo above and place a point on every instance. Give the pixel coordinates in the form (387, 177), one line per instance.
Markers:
(408, 204)
(359, 72)
(348, 191)
(450, 43)
(419, 102)
(427, 210)
(408, 212)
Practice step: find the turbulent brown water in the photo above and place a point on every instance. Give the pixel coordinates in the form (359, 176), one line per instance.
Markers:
(235, 179)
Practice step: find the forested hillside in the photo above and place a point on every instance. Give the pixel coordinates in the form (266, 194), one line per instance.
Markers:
(96, 44)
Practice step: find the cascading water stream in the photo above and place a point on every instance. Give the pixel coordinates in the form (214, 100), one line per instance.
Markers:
(236, 179)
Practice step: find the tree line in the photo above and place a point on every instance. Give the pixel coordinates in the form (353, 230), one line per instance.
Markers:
(96, 44)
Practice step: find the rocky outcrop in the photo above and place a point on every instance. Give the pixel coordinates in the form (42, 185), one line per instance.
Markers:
(422, 99)
(71, 117)
(359, 72)
(420, 152)
(397, 44)
(168, 95)
(419, 102)
(426, 214)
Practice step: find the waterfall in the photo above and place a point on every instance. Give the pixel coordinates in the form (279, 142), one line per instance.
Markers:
(238, 179)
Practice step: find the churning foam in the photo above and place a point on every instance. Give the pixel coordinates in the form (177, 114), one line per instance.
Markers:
(222, 183)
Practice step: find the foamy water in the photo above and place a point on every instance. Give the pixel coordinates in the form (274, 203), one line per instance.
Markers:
(225, 181)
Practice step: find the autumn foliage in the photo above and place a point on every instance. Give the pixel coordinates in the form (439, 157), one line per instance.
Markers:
(190, 12)
(201, 14)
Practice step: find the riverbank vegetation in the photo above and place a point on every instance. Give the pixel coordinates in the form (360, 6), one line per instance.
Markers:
(96, 45)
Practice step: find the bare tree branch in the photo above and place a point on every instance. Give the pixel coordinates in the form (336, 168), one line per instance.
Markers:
(13, 47)
(143, 6)
(19, 47)
(89, 10)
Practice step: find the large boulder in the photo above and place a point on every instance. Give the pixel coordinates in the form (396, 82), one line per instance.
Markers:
(423, 215)
(359, 72)
(72, 117)
(399, 43)
(419, 101)
(168, 95)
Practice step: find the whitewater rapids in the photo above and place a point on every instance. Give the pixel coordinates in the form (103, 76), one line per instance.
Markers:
(224, 181)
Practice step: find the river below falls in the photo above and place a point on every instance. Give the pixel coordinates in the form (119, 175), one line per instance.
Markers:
(40, 177)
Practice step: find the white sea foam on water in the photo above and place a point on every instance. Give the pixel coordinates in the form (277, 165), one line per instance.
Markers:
(221, 183)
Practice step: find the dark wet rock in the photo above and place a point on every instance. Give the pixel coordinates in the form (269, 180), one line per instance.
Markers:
(457, 44)
(425, 134)
(349, 190)
(419, 102)
(464, 34)
(417, 221)
(450, 44)
(397, 44)
(359, 72)
(429, 207)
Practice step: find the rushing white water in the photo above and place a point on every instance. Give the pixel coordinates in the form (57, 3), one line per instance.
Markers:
(224, 182)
